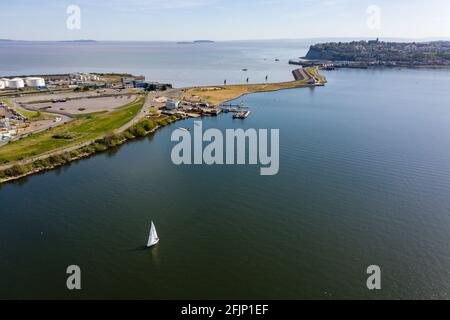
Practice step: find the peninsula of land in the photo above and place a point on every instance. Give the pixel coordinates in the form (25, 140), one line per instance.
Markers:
(69, 117)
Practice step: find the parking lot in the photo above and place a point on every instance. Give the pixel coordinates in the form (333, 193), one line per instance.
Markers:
(86, 105)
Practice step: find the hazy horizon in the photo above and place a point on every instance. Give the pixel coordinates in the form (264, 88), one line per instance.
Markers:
(386, 39)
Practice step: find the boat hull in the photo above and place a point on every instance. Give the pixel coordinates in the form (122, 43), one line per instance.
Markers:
(153, 244)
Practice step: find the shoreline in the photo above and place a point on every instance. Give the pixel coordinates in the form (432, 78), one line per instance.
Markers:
(142, 128)
(98, 146)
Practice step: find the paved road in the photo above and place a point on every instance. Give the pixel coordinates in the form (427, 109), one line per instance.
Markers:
(64, 118)
(145, 111)
(149, 104)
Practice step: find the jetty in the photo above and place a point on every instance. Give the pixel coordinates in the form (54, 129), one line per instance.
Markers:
(233, 107)
(211, 111)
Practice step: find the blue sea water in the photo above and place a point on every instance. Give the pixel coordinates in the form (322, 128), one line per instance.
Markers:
(364, 180)
(180, 64)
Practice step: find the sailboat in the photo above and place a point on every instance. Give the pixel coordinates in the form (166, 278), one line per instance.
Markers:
(153, 237)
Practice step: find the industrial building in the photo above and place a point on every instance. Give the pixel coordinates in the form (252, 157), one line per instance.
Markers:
(128, 83)
(134, 82)
(19, 83)
(5, 82)
(57, 77)
(16, 83)
(35, 82)
(7, 135)
(84, 77)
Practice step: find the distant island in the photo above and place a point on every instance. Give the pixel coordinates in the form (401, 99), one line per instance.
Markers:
(363, 54)
(196, 42)
(76, 41)
(82, 41)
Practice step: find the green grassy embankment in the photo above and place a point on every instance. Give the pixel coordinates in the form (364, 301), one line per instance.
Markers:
(108, 141)
(81, 130)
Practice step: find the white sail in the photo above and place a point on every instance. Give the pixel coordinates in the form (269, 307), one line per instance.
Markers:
(153, 237)
(153, 230)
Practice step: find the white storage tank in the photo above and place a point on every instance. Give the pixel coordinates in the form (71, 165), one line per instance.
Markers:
(2, 85)
(16, 83)
(35, 82)
(5, 82)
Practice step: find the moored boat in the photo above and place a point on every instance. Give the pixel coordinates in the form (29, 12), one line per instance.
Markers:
(242, 115)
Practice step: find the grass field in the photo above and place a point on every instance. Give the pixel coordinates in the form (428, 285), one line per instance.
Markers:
(314, 72)
(5, 102)
(83, 129)
(32, 115)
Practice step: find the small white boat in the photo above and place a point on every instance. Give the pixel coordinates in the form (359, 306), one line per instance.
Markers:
(242, 115)
(153, 237)
(184, 129)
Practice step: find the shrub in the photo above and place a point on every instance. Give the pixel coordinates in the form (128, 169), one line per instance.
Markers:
(111, 140)
(41, 163)
(74, 154)
(16, 170)
(163, 122)
(56, 159)
(127, 134)
(66, 157)
(138, 131)
(98, 147)
(66, 136)
(148, 125)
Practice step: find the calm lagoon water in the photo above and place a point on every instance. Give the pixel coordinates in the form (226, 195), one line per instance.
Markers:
(364, 179)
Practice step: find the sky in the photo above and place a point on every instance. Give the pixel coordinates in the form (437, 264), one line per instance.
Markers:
(183, 20)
